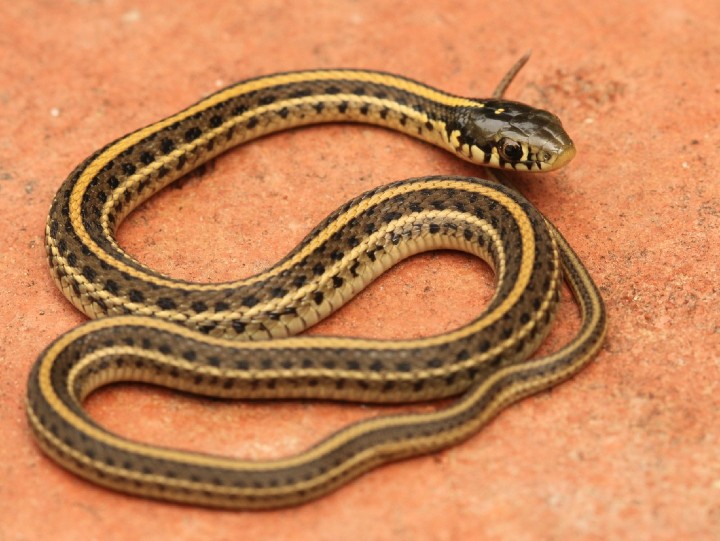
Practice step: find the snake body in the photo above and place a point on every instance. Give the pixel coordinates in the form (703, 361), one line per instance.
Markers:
(234, 340)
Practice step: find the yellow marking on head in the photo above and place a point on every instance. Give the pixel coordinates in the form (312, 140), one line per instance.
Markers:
(455, 138)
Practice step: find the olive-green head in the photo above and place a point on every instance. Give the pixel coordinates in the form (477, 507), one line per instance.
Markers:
(511, 135)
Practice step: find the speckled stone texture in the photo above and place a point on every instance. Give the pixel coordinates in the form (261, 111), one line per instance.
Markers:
(626, 450)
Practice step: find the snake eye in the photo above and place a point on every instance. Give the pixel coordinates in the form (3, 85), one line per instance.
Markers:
(510, 150)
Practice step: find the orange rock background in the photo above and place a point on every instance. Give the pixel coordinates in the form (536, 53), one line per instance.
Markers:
(626, 450)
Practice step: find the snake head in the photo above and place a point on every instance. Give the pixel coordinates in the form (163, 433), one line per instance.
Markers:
(511, 135)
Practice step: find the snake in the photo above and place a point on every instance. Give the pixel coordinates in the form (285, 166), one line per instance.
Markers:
(240, 339)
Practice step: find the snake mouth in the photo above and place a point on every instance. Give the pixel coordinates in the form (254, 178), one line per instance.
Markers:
(567, 154)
